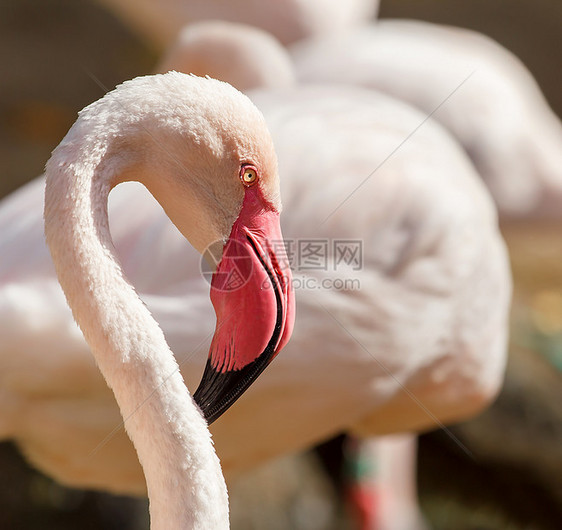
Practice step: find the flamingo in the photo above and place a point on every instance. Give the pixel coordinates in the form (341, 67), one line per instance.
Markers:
(422, 341)
(216, 177)
(486, 98)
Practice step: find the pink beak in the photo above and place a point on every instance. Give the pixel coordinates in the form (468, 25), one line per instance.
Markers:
(253, 299)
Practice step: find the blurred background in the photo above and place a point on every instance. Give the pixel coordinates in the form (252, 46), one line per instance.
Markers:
(57, 56)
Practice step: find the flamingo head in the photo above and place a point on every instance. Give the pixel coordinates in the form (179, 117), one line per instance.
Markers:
(253, 300)
(227, 191)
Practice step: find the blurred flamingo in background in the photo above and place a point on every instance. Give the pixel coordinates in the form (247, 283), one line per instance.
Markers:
(488, 99)
(490, 102)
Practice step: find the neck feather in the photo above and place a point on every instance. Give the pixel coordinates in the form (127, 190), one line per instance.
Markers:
(183, 475)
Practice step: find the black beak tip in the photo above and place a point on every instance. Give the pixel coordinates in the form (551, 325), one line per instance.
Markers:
(209, 393)
(218, 391)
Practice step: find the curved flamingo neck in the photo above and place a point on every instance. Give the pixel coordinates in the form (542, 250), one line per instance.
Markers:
(184, 480)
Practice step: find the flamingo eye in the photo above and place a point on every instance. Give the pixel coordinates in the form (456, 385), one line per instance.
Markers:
(248, 175)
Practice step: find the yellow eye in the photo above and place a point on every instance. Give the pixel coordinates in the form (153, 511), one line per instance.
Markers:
(248, 175)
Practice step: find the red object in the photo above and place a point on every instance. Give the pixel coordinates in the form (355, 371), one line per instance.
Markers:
(253, 298)
(251, 289)
(364, 504)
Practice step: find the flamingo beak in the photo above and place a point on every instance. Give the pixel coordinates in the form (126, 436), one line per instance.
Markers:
(253, 299)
